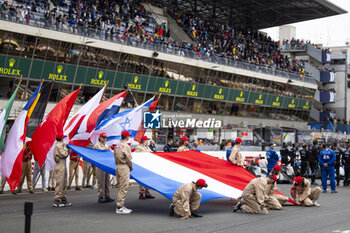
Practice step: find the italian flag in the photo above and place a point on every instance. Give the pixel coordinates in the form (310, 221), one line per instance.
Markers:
(12, 157)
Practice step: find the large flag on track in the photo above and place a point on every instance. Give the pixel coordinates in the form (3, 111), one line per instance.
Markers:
(12, 158)
(44, 137)
(127, 120)
(165, 172)
(4, 115)
(39, 110)
(103, 111)
(86, 110)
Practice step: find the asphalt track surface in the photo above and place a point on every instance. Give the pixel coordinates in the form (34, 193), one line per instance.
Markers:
(86, 215)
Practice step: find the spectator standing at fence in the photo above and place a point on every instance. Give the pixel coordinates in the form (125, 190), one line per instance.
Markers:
(4, 9)
(28, 15)
(12, 12)
(59, 23)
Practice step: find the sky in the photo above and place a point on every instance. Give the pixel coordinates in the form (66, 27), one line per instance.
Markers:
(329, 31)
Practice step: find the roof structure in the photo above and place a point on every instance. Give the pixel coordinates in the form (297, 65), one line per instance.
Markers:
(258, 14)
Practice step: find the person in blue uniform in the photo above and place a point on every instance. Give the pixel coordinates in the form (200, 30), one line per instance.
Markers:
(228, 152)
(195, 147)
(272, 157)
(327, 159)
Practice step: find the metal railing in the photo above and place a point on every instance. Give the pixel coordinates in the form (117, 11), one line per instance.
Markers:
(293, 47)
(120, 37)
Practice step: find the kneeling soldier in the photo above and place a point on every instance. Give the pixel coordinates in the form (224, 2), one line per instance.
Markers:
(254, 195)
(186, 200)
(306, 196)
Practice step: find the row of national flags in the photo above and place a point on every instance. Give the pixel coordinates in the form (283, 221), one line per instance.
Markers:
(92, 119)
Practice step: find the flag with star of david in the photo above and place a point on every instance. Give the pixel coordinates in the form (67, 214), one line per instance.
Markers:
(113, 126)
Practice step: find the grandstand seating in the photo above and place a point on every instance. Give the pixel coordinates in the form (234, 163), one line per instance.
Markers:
(259, 53)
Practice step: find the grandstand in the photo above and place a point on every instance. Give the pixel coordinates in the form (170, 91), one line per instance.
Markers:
(208, 59)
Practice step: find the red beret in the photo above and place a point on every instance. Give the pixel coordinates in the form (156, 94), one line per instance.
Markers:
(277, 167)
(125, 133)
(60, 135)
(144, 138)
(201, 183)
(184, 138)
(298, 179)
(238, 140)
(103, 135)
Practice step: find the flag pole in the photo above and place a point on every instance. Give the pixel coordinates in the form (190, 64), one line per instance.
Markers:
(132, 95)
(3, 186)
(104, 91)
(41, 172)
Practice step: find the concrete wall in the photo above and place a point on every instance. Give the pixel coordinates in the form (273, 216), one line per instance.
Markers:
(340, 86)
(287, 32)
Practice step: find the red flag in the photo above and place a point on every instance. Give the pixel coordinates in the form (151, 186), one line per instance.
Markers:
(44, 136)
(141, 131)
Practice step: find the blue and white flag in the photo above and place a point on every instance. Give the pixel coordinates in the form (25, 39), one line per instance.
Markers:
(113, 126)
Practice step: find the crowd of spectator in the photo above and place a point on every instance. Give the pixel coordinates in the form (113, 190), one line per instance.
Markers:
(342, 121)
(107, 20)
(15, 12)
(321, 68)
(301, 44)
(238, 43)
(103, 19)
(332, 113)
(326, 89)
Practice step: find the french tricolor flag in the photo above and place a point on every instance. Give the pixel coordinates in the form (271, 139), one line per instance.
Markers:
(165, 172)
